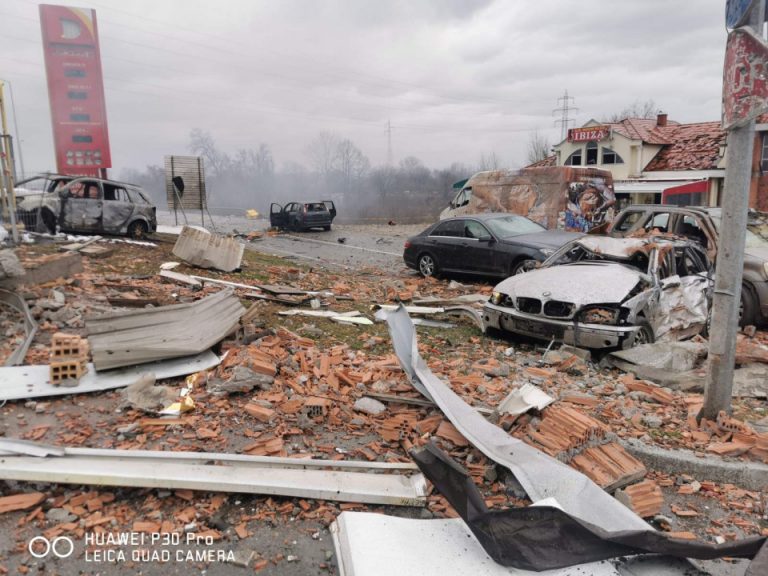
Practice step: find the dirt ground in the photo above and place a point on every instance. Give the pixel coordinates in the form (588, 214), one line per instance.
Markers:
(287, 535)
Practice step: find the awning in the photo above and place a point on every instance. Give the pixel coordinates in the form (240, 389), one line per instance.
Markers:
(653, 186)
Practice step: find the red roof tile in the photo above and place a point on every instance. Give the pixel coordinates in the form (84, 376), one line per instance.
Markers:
(548, 161)
(644, 129)
(690, 147)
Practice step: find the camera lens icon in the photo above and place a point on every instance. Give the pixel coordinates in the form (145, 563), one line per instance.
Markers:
(61, 546)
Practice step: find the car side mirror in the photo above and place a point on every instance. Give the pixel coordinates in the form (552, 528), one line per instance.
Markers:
(487, 238)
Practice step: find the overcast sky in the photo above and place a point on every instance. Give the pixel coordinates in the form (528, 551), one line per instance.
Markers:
(456, 78)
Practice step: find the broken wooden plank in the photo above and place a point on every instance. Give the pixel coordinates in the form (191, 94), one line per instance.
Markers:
(180, 278)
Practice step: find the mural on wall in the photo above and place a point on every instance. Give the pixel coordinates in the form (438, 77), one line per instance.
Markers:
(577, 199)
(590, 204)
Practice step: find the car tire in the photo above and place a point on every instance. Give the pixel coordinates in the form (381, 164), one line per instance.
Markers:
(427, 265)
(49, 220)
(327, 228)
(748, 308)
(138, 230)
(518, 267)
(643, 336)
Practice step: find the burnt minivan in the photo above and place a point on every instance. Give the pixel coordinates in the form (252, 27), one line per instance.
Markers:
(84, 205)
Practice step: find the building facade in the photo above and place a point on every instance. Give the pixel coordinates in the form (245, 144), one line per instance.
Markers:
(653, 160)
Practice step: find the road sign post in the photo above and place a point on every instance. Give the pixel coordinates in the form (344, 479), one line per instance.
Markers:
(744, 97)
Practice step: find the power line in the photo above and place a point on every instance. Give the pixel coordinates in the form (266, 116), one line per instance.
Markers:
(316, 64)
(173, 93)
(246, 69)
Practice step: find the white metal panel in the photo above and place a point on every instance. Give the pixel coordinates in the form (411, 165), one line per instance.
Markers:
(370, 544)
(23, 382)
(344, 486)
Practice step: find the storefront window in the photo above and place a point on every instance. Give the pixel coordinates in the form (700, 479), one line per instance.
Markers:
(610, 157)
(591, 153)
(764, 155)
(574, 159)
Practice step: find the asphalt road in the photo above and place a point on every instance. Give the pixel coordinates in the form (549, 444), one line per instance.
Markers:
(345, 246)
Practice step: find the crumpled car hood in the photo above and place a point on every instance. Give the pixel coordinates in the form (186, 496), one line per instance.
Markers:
(581, 283)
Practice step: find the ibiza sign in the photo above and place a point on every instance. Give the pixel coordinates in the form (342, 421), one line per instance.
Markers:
(589, 134)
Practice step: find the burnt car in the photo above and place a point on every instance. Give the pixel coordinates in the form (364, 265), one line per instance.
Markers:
(302, 215)
(84, 205)
(702, 224)
(602, 292)
(494, 244)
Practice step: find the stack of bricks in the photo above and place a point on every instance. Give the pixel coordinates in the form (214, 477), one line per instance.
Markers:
(69, 358)
(564, 429)
(644, 498)
(571, 436)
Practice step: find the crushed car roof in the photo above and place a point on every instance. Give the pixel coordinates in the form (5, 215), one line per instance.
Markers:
(625, 247)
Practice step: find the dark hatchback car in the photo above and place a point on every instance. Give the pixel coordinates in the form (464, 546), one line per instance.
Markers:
(497, 245)
(302, 215)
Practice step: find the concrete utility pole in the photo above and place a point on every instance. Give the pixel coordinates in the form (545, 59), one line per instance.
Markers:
(16, 125)
(7, 189)
(730, 255)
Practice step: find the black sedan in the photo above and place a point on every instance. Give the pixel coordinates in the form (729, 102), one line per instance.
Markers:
(497, 244)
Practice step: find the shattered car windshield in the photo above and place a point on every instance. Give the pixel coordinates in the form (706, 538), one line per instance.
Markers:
(506, 226)
(576, 252)
(757, 229)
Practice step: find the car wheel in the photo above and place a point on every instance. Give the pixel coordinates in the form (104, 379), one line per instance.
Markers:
(427, 265)
(643, 336)
(49, 220)
(747, 307)
(138, 230)
(520, 266)
(326, 228)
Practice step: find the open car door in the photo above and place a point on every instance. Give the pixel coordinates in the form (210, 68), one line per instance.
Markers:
(277, 217)
(331, 208)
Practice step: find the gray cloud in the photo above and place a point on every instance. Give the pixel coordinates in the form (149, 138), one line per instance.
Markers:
(455, 78)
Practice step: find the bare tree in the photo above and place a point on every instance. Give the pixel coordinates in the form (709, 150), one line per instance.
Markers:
(489, 161)
(538, 147)
(350, 163)
(322, 152)
(202, 144)
(647, 109)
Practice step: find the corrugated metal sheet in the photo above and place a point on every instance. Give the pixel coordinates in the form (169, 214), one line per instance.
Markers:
(207, 250)
(192, 172)
(150, 334)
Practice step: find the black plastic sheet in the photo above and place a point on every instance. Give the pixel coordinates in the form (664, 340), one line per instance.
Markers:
(545, 537)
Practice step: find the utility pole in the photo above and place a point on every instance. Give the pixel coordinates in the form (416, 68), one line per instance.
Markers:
(565, 109)
(389, 143)
(16, 125)
(7, 188)
(739, 114)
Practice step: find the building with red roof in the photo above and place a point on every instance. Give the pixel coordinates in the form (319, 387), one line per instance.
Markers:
(652, 160)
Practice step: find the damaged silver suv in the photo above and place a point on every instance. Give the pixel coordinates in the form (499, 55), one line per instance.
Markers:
(601, 292)
(84, 205)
